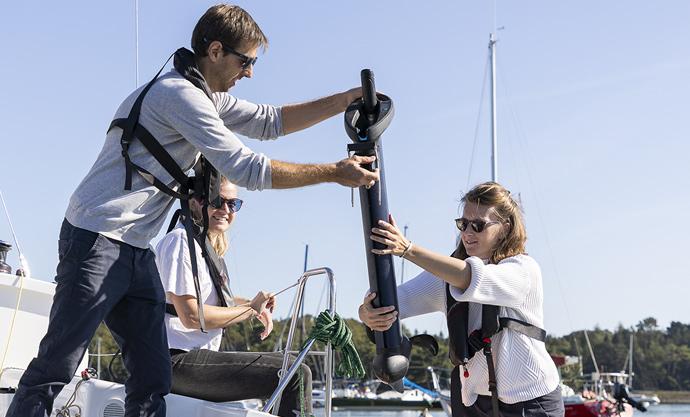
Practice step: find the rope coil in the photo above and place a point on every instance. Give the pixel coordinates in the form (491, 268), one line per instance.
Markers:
(333, 329)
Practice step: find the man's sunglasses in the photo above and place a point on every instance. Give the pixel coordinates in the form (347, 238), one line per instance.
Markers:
(476, 225)
(246, 61)
(234, 204)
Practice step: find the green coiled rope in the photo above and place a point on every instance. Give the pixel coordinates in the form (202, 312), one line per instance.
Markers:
(334, 330)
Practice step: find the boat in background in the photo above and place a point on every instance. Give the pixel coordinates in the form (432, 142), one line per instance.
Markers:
(603, 394)
(376, 395)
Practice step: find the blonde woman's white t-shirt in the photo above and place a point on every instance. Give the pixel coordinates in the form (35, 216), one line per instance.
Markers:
(175, 268)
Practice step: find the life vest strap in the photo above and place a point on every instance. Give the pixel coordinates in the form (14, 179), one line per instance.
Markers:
(523, 327)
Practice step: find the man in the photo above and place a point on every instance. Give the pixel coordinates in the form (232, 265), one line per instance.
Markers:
(106, 269)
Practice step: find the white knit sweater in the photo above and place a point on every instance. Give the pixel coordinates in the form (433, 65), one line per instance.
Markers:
(524, 370)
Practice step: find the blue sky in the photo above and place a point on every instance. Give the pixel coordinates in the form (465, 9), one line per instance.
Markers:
(593, 135)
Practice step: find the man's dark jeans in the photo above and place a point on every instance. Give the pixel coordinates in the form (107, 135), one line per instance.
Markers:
(232, 376)
(101, 279)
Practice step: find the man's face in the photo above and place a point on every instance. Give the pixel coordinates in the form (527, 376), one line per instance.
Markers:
(233, 66)
(224, 66)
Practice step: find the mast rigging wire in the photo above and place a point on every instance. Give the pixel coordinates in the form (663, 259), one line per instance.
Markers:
(479, 116)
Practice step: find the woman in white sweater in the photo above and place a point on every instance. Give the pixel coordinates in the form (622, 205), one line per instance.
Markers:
(489, 267)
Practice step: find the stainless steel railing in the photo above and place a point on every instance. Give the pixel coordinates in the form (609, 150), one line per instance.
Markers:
(286, 372)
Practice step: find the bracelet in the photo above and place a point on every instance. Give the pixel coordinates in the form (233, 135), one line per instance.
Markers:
(404, 252)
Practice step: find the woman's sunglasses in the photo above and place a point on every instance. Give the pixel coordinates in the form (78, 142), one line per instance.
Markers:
(234, 204)
(476, 225)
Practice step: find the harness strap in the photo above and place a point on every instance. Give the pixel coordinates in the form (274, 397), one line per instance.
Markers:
(523, 327)
(493, 386)
(130, 124)
(218, 272)
(188, 223)
(457, 408)
(490, 326)
(159, 153)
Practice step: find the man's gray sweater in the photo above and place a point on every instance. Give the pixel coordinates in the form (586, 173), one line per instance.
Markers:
(183, 119)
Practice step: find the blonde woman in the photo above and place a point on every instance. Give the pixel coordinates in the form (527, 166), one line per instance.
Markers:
(199, 370)
(489, 279)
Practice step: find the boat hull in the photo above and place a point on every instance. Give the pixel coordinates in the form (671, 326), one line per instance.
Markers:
(596, 408)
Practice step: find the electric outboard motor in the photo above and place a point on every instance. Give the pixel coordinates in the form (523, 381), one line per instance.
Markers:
(622, 395)
(365, 121)
(4, 248)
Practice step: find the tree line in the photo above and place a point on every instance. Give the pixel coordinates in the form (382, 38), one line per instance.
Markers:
(661, 357)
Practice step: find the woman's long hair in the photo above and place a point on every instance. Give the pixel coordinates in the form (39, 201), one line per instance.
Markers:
(494, 195)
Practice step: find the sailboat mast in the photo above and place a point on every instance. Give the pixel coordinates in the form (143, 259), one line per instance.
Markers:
(136, 43)
(494, 133)
(630, 368)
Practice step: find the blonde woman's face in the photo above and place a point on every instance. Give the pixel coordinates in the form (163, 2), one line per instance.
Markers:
(479, 217)
(219, 219)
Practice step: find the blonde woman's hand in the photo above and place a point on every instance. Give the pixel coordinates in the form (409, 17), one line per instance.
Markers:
(266, 318)
(263, 301)
(378, 319)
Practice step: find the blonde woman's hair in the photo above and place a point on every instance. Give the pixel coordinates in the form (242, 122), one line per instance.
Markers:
(495, 196)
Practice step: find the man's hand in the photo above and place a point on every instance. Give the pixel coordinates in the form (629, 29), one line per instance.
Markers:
(350, 173)
(352, 95)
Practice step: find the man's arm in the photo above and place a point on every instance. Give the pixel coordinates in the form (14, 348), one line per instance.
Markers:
(297, 117)
(348, 172)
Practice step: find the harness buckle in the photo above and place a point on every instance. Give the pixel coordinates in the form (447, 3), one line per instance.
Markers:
(487, 346)
(124, 142)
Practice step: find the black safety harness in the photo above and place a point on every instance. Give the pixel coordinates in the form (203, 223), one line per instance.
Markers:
(462, 347)
(203, 185)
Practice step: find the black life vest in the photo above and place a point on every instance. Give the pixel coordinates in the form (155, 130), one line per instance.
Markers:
(203, 185)
(462, 347)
